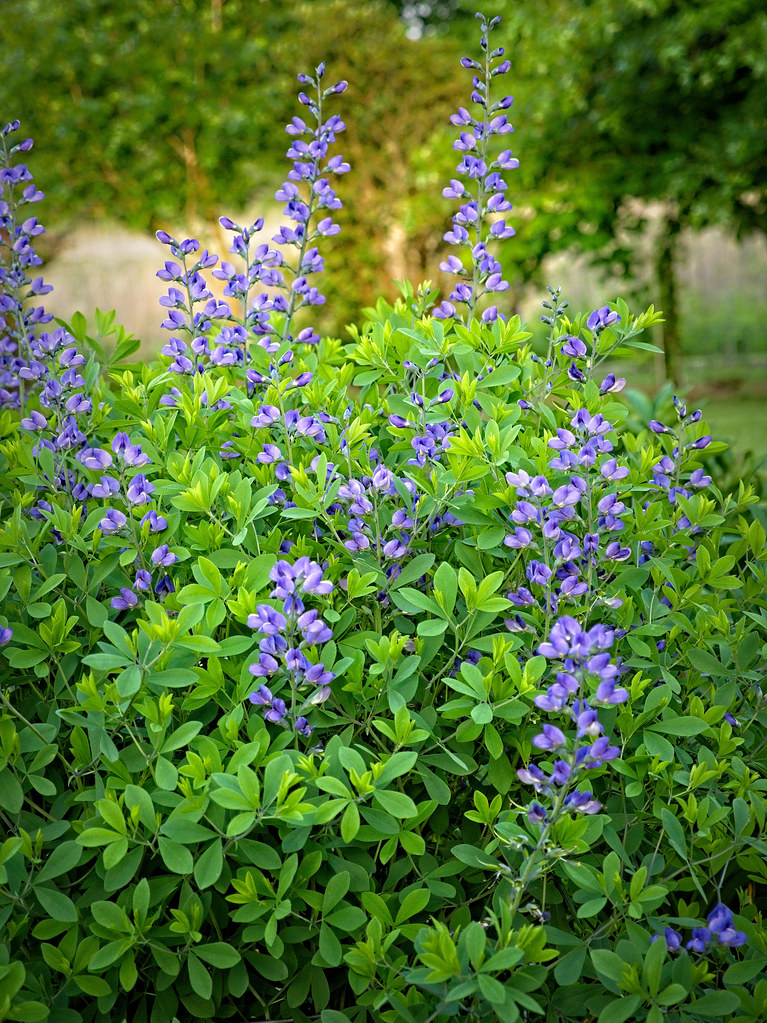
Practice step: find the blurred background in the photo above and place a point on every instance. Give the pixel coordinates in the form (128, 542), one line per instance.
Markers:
(640, 126)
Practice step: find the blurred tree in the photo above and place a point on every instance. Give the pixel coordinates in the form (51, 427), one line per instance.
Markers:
(145, 112)
(663, 101)
(168, 113)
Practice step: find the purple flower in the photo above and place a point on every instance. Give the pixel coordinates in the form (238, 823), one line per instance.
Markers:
(612, 385)
(105, 488)
(270, 454)
(157, 523)
(6, 634)
(607, 693)
(595, 755)
(35, 421)
(303, 727)
(318, 676)
(552, 738)
(477, 215)
(720, 923)
(701, 937)
(672, 938)
(163, 556)
(143, 580)
(267, 621)
(126, 600)
(113, 521)
(582, 802)
(538, 573)
(140, 490)
(537, 814)
(276, 712)
(574, 347)
(602, 318)
(533, 775)
(95, 458)
(165, 587)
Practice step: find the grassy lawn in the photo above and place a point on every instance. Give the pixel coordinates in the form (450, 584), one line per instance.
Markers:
(742, 422)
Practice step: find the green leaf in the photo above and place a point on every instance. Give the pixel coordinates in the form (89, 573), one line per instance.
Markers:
(482, 714)
(218, 954)
(570, 966)
(743, 972)
(110, 915)
(333, 1016)
(715, 1004)
(491, 989)
(395, 803)
(706, 663)
(680, 726)
(413, 904)
(591, 908)
(620, 1010)
(199, 977)
(410, 601)
(606, 963)
(208, 866)
(446, 587)
(350, 823)
(181, 737)
(329, 946)
(61, 860)
(432, 627)
(413, 570)
(11, 792)
(674, 832)
(177, 858)
(335, 890)
(57, 905)
(473, 857)
(347, 918)
(397, 764)
(165, 774)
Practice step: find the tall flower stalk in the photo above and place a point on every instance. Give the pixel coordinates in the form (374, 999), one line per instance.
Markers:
(479, 220)
(18, 320)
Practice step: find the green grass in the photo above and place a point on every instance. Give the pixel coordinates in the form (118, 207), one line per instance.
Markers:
(742, 422)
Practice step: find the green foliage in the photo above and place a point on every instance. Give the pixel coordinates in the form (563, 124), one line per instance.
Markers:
(169, 852)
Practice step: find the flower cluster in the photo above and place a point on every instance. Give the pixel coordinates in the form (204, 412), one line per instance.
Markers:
(286, 636)
(293, 426)
(667, 474)
(719, 932)
(431, 429)
(572, 526)
(588, 679)
(192, 307)
(379, 519)
(19, 321)
(480, 218)
(308, 194)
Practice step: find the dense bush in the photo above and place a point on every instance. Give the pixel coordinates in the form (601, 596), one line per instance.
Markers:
(394, 680)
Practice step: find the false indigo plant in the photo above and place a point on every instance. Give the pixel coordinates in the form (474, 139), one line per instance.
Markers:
(400, 681)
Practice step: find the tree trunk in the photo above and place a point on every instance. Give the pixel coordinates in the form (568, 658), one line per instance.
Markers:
(667, 292)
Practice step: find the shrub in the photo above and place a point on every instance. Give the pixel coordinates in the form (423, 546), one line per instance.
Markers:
(392, 680)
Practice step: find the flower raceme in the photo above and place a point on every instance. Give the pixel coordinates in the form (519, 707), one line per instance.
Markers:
(481, 189)
(273, 278)
(588, 680)
(287, 635)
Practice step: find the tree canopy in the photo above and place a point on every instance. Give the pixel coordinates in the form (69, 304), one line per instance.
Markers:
(168, 113)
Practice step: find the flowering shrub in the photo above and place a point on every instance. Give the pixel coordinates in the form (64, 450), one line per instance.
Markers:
(394, 680)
